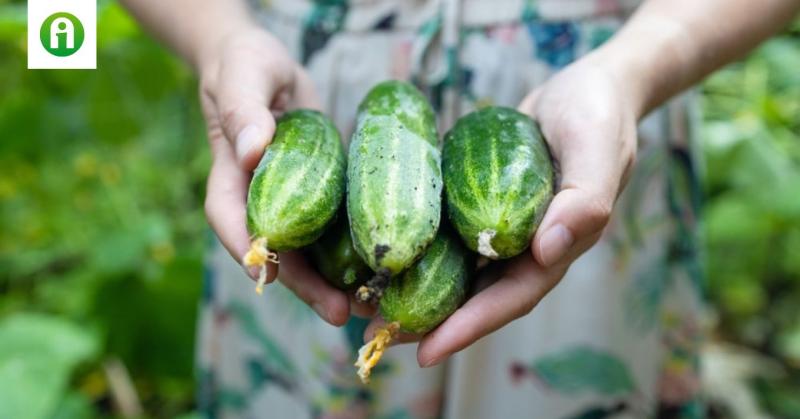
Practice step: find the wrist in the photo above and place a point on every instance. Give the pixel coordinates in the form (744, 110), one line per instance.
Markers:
(649, 58)
(620, 68)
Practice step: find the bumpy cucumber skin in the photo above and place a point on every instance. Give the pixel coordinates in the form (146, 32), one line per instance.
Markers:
(498, 177)
(335, 258)
(394, 175)
(432, 289)
(299, 182)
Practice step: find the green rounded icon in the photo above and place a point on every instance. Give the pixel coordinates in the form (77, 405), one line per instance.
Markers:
(61, 34)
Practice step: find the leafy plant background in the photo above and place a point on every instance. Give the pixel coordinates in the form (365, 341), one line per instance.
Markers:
(102, 232)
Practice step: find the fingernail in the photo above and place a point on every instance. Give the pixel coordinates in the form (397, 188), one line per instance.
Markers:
(433, 362)
(554, 244)
(320, 310)
(247, 140)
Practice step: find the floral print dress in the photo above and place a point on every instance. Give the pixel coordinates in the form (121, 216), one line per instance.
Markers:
(618, 337)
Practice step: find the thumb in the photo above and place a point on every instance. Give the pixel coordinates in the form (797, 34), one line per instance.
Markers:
(243, 100)
(592, 169)
(574, 221)
(249, 126)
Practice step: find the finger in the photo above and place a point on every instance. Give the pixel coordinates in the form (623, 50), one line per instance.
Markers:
(243, 97)
(528, 103)
(398, 339)
(487, 275)
(328, 302)
(511, 297)
(305, 93)
(361, 309)
(226, 196)
(574, 221)
(593, 160)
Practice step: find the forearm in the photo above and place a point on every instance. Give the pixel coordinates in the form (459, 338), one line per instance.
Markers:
(669, 45)
(190, 27)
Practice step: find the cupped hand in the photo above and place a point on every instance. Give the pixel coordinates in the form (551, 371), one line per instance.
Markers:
(246, 81)
(589, 122)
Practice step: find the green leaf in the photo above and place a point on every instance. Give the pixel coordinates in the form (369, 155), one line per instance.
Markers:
(583, 369)
(731, 218)
(13, 16)
(789, 344)
(74, 406)
(114, 25)
(142, 317)
(37, 357)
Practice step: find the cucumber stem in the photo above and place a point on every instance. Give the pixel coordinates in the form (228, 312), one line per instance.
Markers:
(485, 243)
(372, 351)
(260, 256)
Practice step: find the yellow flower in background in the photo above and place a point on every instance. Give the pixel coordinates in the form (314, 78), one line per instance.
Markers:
(162, 252)
(85, 164)
(7, 188)
(110, 173)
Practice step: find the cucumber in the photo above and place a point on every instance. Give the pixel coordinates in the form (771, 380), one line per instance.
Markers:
(422, 297)
(335, 259)
(498, 180)
(432, 289)
(394, 181)
(296, 188)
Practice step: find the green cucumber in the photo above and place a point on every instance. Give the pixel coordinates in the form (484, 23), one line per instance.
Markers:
(427, 293)
(296, 188)
(498, 180)
(335, 259)
(422, 297)
(394, 181)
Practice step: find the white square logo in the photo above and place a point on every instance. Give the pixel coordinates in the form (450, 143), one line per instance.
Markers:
(62, 34)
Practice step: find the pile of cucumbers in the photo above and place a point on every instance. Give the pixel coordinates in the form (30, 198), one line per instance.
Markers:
(389, 244)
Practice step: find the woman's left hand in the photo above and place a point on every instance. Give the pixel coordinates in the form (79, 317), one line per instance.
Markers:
(589, 122)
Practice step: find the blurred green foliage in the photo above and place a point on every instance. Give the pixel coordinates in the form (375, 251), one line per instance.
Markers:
(751, 141)
(101, 224)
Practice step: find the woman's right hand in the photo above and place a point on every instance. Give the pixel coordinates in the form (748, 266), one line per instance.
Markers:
(245, 81)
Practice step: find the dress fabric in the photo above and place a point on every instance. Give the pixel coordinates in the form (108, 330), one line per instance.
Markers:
(617, 338)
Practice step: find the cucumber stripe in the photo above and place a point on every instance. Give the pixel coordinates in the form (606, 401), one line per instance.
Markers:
(292, 183)
(434, 292)
(290, 206)
(494, 167)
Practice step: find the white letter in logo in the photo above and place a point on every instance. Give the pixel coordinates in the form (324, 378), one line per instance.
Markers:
(62, 26)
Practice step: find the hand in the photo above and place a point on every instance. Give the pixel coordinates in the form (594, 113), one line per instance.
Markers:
(246, 80)
(590, 125)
